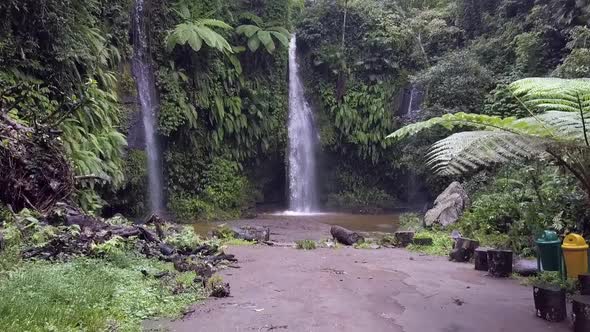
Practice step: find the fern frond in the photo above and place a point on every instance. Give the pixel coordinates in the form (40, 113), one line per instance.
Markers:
(468, 151)
(476, 121)
(553, 94)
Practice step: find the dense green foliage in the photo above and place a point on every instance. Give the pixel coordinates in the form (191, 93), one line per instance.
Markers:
(461, 53)
(223, 105)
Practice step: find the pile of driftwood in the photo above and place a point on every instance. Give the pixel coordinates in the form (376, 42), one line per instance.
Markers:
(149, 239)
(34, 171)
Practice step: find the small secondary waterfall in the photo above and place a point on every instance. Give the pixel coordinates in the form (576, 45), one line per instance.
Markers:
(302, 143)
(416, 95)
(146, 90)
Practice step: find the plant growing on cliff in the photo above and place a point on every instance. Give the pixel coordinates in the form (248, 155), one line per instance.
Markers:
(196, 32)
(259, 34)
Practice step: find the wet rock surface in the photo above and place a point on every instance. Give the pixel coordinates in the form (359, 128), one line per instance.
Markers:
(448, 206)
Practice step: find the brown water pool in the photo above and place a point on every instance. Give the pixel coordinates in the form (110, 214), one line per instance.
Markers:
(387, 223)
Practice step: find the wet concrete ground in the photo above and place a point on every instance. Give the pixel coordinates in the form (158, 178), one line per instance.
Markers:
(346, 289)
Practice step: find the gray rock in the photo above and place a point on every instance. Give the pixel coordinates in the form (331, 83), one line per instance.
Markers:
(525, 267)
(448, 206)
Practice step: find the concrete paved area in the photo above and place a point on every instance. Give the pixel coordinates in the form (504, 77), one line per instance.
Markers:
(284, 289)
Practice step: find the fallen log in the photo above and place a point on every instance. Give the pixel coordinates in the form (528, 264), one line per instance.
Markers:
(550, 303)
(125, 232)
(500, 263)
(147, 235)
(581, 313)
(166, 250)
(345, 236)
(404, 238)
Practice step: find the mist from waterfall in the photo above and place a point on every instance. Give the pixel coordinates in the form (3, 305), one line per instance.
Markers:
(146, 90)
(303, 140)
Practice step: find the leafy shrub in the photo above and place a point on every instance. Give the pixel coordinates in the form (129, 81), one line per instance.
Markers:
(457, 82)
(522, 201)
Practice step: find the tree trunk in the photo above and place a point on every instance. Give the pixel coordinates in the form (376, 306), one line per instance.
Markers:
(345, 236)
(500, 263)
(581, 313)
(463, 250)
(481, 259)
(404, 238)
(584, 280)
(550, 303)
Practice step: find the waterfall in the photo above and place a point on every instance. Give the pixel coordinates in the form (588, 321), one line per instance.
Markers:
(416, 95)
(146, 90)
(302, 143)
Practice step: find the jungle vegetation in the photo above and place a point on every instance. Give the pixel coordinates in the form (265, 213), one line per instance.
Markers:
(504, 101)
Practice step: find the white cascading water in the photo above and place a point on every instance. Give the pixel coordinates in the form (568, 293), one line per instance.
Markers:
(146, 90)
(414, 103)
(302, 143)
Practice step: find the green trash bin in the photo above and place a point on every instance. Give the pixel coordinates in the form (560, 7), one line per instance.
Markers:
(549, 253)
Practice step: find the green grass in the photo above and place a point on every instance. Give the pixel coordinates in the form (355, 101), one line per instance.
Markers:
(306, 244)
(91, 295)
(442, 244)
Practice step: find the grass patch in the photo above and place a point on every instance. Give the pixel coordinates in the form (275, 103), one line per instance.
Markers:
(306, 244)
(442, 243)
(91, 295)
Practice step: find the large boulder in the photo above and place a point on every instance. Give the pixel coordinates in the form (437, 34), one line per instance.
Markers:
(448, 206)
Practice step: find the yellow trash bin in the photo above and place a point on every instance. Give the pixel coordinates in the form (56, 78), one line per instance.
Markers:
(575, 252)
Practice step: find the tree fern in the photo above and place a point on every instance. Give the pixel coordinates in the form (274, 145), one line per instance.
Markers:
(199, 32)
(258, 34)
(556, 130)
(553, 94)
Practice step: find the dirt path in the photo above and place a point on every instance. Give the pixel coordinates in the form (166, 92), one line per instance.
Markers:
(284, 289)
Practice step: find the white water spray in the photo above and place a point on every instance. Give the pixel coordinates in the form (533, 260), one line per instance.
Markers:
(146, 90)
(302, 143)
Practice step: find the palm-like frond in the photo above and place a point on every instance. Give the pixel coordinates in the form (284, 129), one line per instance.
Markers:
(258, 35)
(528, 126)
(198, 32)
(496, 140)
(553, 94)
(471, 150)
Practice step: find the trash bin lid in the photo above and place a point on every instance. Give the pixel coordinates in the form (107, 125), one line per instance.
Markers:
(574, 241)
(548, 237)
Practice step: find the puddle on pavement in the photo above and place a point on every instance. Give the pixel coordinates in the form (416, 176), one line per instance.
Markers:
(387, 223)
